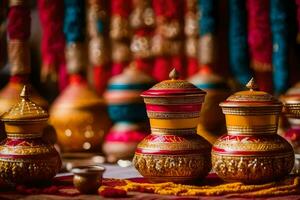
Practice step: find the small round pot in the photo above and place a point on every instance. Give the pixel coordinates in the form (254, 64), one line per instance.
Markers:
(88, 179)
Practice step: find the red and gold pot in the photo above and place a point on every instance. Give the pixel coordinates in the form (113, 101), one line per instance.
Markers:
(252, 152)
(24, 156)
(173, 151)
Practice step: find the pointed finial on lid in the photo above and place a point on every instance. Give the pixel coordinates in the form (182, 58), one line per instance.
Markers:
(174, 74)
(24, 93)
(251, 85)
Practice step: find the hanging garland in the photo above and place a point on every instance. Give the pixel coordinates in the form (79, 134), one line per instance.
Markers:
(167, 44)
(279, 24)
(98, 49)
(207, 26)
(120, 35)
(18, 29)
(192, 36)
(260, 42)
(142, 23)
(238, 48)
(53, 42)
(74, 23)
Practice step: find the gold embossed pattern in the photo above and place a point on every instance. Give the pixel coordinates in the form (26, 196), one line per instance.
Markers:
(172, 168)
(25, 110)
(254, 169)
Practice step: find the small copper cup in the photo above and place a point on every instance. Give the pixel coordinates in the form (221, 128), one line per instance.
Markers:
(87, 179)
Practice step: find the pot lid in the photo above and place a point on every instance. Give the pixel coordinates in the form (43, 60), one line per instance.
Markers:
(173, 87)
(292, 95)
(25, 110)
(131, 79)
(251, 98)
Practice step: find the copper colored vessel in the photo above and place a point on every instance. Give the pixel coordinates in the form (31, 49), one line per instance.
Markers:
(252, 152)
(79, 117)
(24, 156)
(88, 179)
(173, 151)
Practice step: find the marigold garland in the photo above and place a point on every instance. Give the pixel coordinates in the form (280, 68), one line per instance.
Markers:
(287, 186)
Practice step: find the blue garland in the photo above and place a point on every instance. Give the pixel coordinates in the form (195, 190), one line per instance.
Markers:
(74, 21)
(279, 26)
(238, 46)
(207, 22)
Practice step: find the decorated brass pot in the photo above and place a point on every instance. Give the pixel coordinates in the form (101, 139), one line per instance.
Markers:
(24, 156)
(252, 152)
(127, 109)
(173, 151)
(291, 108)
(212, 121)
(79, 117)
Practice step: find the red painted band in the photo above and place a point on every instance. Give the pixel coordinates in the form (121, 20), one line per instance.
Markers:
(174, 108)
(244, 153)
(170, 152)
(36, 156)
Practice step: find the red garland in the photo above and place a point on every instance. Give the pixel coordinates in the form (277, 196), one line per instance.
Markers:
(19, 19)
(167, 10)
(101, 76)
(260, 42)
(53, 41)
(121, 8)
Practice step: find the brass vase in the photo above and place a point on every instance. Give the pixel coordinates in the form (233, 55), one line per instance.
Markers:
(212, 121)
(173, 151)
(252, 151)
(25, 157)
(79, 117)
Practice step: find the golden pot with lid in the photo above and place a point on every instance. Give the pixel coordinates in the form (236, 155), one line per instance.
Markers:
(24, 156)
(251, 149)
(173, 151)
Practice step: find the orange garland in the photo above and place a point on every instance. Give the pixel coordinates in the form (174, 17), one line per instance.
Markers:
(288, 186)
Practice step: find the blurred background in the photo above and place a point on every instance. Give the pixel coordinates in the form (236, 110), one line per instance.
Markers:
(229, 22)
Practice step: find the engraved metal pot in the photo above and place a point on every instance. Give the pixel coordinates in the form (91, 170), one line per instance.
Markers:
(291, 110)
(173, 151)
(252, 152)
(24, 156)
